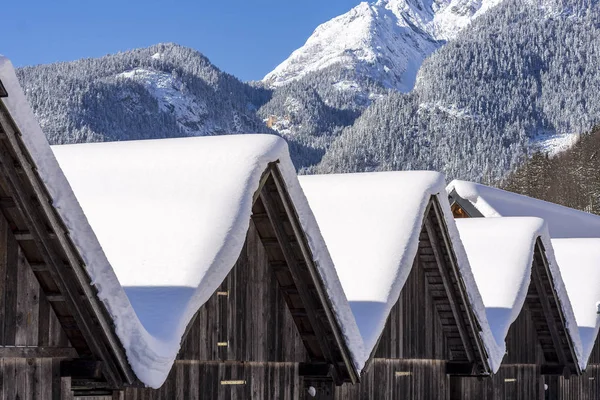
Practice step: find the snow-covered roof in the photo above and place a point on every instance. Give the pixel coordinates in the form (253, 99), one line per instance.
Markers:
(168, 217)
(579, 261)
(371, 223)
(573, 235)
(501, 254)
(171, 217)
(563, 222)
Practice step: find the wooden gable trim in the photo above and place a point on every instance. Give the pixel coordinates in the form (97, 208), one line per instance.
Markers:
(3, 92)
(470, 326)
(565, 349)
(328, 331)
(61, 259)
(317, 309)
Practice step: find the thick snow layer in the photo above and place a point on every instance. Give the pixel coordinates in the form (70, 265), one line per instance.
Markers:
(371, 223)
(579, 261)
(170, 219)
(501, 251)
(563, 222)
(386, 40)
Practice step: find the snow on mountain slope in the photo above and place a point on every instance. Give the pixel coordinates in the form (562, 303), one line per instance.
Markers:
(172, 96)
(385, 41)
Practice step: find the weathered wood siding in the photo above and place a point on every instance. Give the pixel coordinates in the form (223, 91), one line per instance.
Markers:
(220, 381)
(410, 360)
(248, 314)
(413, 329)
(244, 335)
(26, 320)
(584, 387)
(511, 382)
(400, 379)
(522, 362)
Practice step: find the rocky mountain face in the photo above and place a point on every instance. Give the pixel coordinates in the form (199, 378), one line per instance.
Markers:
(385, 42)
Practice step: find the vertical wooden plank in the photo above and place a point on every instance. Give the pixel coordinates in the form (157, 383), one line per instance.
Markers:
(118, 395)
(43, 329)
(3, 274)
(56, 386)
(65, 388)
(11, 317)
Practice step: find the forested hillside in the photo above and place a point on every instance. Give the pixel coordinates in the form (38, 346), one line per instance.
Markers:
(161, 91)
(572, 178)
(521, 76)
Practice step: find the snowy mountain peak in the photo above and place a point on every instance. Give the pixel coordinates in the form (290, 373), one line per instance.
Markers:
(385, 41)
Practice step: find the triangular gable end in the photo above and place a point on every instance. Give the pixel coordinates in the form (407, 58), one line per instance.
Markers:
(542, 306)
(542, 302)
(436, 294)
(58, 267)
(291, 269)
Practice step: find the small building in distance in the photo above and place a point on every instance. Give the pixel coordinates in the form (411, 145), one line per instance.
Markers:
(526, 305)
(417, 307)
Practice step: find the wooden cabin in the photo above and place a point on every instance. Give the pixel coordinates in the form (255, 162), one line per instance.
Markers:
(270, 329)
(524, 308)
(470, 200)
(431, 331)
(54, 332)
(581, 276)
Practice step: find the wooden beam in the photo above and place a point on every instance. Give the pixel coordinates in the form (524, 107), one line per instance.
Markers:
(81, 368)
(314, 369)
(461, 368)
(303, 292)
(559, 370)
(38, 267)
(473, 323)
(308, 257)
(450, 289)
(45, 246)
(21, 236)
(7, 202)
(66, 392)
(3, 92)
(44, 202)
(55, 297)
(37, 352)
(545, 303)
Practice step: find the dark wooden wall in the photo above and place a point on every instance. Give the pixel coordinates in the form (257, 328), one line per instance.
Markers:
(27, 323)
(220, 381)
(584, 387)
(400, 379)
(243, 344)
(511, 382)
(410, 360)
(413, 329)
(522, 362)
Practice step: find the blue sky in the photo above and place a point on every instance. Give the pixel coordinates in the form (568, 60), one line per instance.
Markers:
(247, 38)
